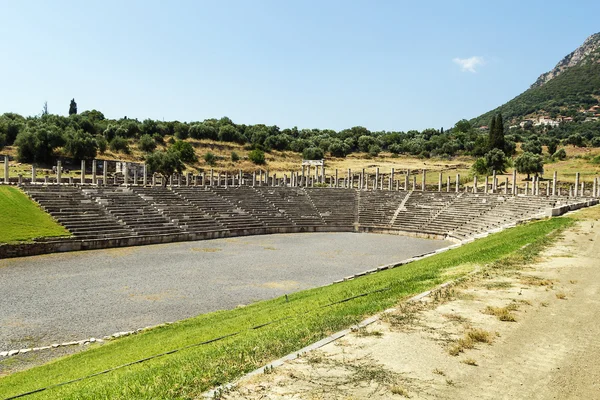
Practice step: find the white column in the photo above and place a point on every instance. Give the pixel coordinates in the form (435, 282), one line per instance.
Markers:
(83, 172)
(457, 182)
(514, 182)
(33, 174)
(576, 185)
(94, 177)
(6, 169)
(475, 184)
(423, 180)
(105, 173)
(554, 179)
(58, 172)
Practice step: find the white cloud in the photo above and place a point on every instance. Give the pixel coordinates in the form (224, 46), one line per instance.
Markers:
(469, 64)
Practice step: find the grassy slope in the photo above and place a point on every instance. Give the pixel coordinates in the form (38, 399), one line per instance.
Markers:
(188, 373)
(568, 91)
(21, 219)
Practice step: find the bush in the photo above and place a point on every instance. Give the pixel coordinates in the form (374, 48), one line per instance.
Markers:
(257, 157)
(210, 159)
(560, 154)
(146, 143)
(101, 144)
(312, 153)
(81, 145)
(185, 150)
(374, 150)
(119, 145)
(235, 157)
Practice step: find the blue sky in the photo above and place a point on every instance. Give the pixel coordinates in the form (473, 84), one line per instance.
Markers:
(385, 65)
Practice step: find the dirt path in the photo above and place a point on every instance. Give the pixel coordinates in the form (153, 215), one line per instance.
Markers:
(456, 346)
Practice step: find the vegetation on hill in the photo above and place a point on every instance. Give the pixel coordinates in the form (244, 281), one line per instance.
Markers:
(22, 220)
(574, 86)
(261, 332)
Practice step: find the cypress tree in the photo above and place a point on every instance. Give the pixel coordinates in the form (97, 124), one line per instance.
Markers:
(73, 107)
(492, 133)
(499, 135)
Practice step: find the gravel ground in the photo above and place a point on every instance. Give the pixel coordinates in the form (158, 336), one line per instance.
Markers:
(61, 297)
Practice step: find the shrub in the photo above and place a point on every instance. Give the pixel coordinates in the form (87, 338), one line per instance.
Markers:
(235, 157)
(119, 145)
(374, 150)
(210, 159)
(101, 143)
(560, 154)
(146, 143)
(257, 156)
(312, 153)
(185, 150)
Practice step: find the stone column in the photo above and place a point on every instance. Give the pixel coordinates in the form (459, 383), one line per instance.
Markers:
(440, 182)
(94, 177)
(554, 180)
(20, 179)
(335, 179)
(46, 179)
(33, 174)
(487, 182)
(241, 178)
(144, 174)
(506, 185)
(494, 182)
(526, 188)
(6, 169)
(391, 179)
(105, 173)
(406, 178)
(126, 174)
(548, 189)
(212, 178)
(381, 183)
(414, 183)
(576, 185)
(448, 184)
(514, 182)
(58, 172)
(253, 178)
(457, 182)
(424, 180)
(83, 172)
(323, 174)
(537, 186)
(350, 180)
(475, 184)
(582, 189)
(153, 180)
(594, 190)
(203, 179)
(376, 178)
(135, 176)
(363, 181)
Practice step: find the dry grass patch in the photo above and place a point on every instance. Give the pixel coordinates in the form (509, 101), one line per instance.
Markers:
(364, 332)
(469, 340)
(503, 313)
(536, 281)
(399, 390)
(561, 296)
(470, 361)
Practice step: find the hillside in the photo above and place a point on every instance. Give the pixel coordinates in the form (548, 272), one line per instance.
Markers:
(568, 90)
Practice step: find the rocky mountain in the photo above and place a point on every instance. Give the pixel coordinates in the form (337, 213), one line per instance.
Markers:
(587, 52)
(567, 91)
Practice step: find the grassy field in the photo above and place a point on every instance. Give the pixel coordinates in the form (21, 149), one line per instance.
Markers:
(297, 321)
(21, 219)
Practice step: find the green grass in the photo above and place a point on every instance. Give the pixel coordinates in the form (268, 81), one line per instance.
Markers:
(21, 219)
(186, 374)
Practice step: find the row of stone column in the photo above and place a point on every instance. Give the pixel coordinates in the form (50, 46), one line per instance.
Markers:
(361, 180)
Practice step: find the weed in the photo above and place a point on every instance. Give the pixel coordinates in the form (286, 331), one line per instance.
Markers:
(399, 390)
(561, 296)
(364, 332)
(573, 281)
(480, 336)
(450, 382)
(456, 318)
(470, 361)
(502, 313)
(544, 304)
(438, 371)
(498, 285)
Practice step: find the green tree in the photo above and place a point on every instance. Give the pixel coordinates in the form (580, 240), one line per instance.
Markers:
(235, 157)
(480, 167)
(495, 160)
(119, 145)
(313, 153)
(185, 150)
(73, 107)
(529, 163)
(560, 154)
(165, 163)
(532, 146)
(101, 144)
(496, 134)
(146, 143)
(257, 156)
(229, 133)
(552, 146)
(80, 145)
(36, 143)
(461, 126)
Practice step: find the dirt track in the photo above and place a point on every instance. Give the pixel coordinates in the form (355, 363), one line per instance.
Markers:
(551, 351)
